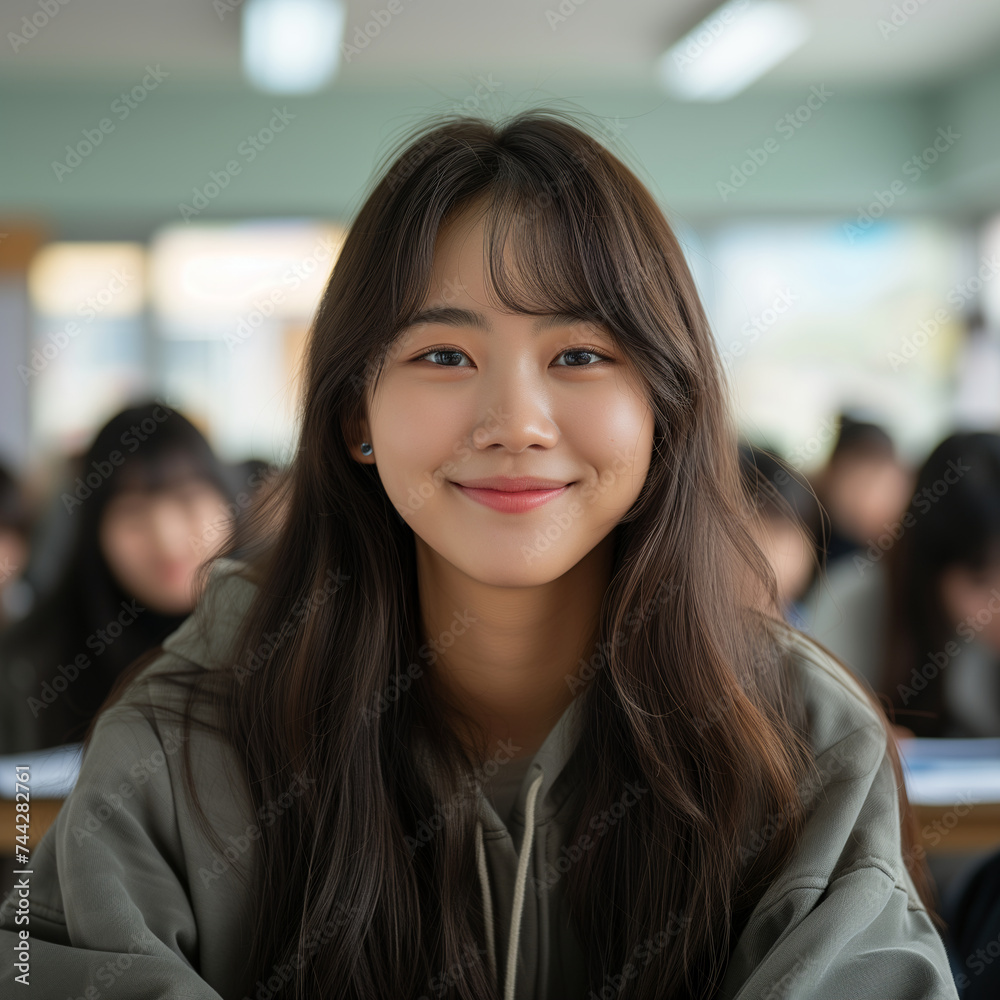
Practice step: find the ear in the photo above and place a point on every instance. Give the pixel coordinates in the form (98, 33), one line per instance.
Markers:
(354, 433)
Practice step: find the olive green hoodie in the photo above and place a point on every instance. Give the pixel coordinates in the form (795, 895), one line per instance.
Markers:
(126, 899)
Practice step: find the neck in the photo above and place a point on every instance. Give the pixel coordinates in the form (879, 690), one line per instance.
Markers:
(506, 655)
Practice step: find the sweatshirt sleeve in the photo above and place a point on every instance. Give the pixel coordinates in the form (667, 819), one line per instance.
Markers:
(844, 919)
(106, 906)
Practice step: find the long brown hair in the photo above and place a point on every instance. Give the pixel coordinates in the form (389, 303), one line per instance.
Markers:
(693, 695)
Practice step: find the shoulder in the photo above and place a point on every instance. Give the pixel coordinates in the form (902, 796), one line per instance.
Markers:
(842, 917)
(852, 792)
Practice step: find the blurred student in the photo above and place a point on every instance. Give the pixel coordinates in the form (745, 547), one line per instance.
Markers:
(149, 504)
(14, 535)
(788, 524)
(917, 614)
(862, 486)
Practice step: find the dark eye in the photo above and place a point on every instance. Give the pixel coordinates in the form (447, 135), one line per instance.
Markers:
(450, 356)
(444, 352)
(585, 352)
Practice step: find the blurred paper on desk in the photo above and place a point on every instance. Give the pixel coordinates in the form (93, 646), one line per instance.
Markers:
(939, 771)
(53, 771)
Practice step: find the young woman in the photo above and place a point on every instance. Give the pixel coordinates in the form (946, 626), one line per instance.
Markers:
(513, 542)
(148, 498)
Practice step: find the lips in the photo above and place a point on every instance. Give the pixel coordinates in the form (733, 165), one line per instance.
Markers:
(513, 496)
(519, 484)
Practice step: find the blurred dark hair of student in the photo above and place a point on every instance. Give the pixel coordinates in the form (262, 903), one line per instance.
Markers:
(787, 525)
(943, 578)
(14, 534)
(151, 502)
(863, 486)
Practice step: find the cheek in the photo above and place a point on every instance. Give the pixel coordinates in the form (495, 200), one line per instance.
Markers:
(206, 521)
(125, 550)
(615, 436)
(417, 438)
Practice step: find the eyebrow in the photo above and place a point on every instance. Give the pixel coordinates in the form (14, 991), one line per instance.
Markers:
(453, 316)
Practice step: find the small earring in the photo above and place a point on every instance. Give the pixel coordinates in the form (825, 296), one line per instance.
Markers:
(366, 448)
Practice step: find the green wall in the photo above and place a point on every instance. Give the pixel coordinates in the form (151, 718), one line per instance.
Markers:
(149, 162)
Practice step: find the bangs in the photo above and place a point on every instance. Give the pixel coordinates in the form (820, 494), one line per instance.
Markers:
(167, 471)
(535, 255)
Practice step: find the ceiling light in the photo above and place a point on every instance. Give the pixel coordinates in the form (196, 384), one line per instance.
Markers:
(292, 46)
(734, 46)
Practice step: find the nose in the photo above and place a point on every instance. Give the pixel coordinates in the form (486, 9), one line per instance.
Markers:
(518, 411)
(169, 531)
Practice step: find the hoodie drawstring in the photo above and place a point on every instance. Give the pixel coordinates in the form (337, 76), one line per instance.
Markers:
(522, 876)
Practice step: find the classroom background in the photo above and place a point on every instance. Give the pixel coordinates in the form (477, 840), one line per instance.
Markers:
(176, 181)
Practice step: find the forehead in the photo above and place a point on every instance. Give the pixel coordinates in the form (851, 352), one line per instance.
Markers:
(458, 293)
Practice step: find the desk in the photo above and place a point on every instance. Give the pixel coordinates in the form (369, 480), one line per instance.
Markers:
(947, 828)
(943, 829)
(42, 816)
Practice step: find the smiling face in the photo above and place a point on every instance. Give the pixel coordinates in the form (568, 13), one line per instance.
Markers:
(468, 397)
